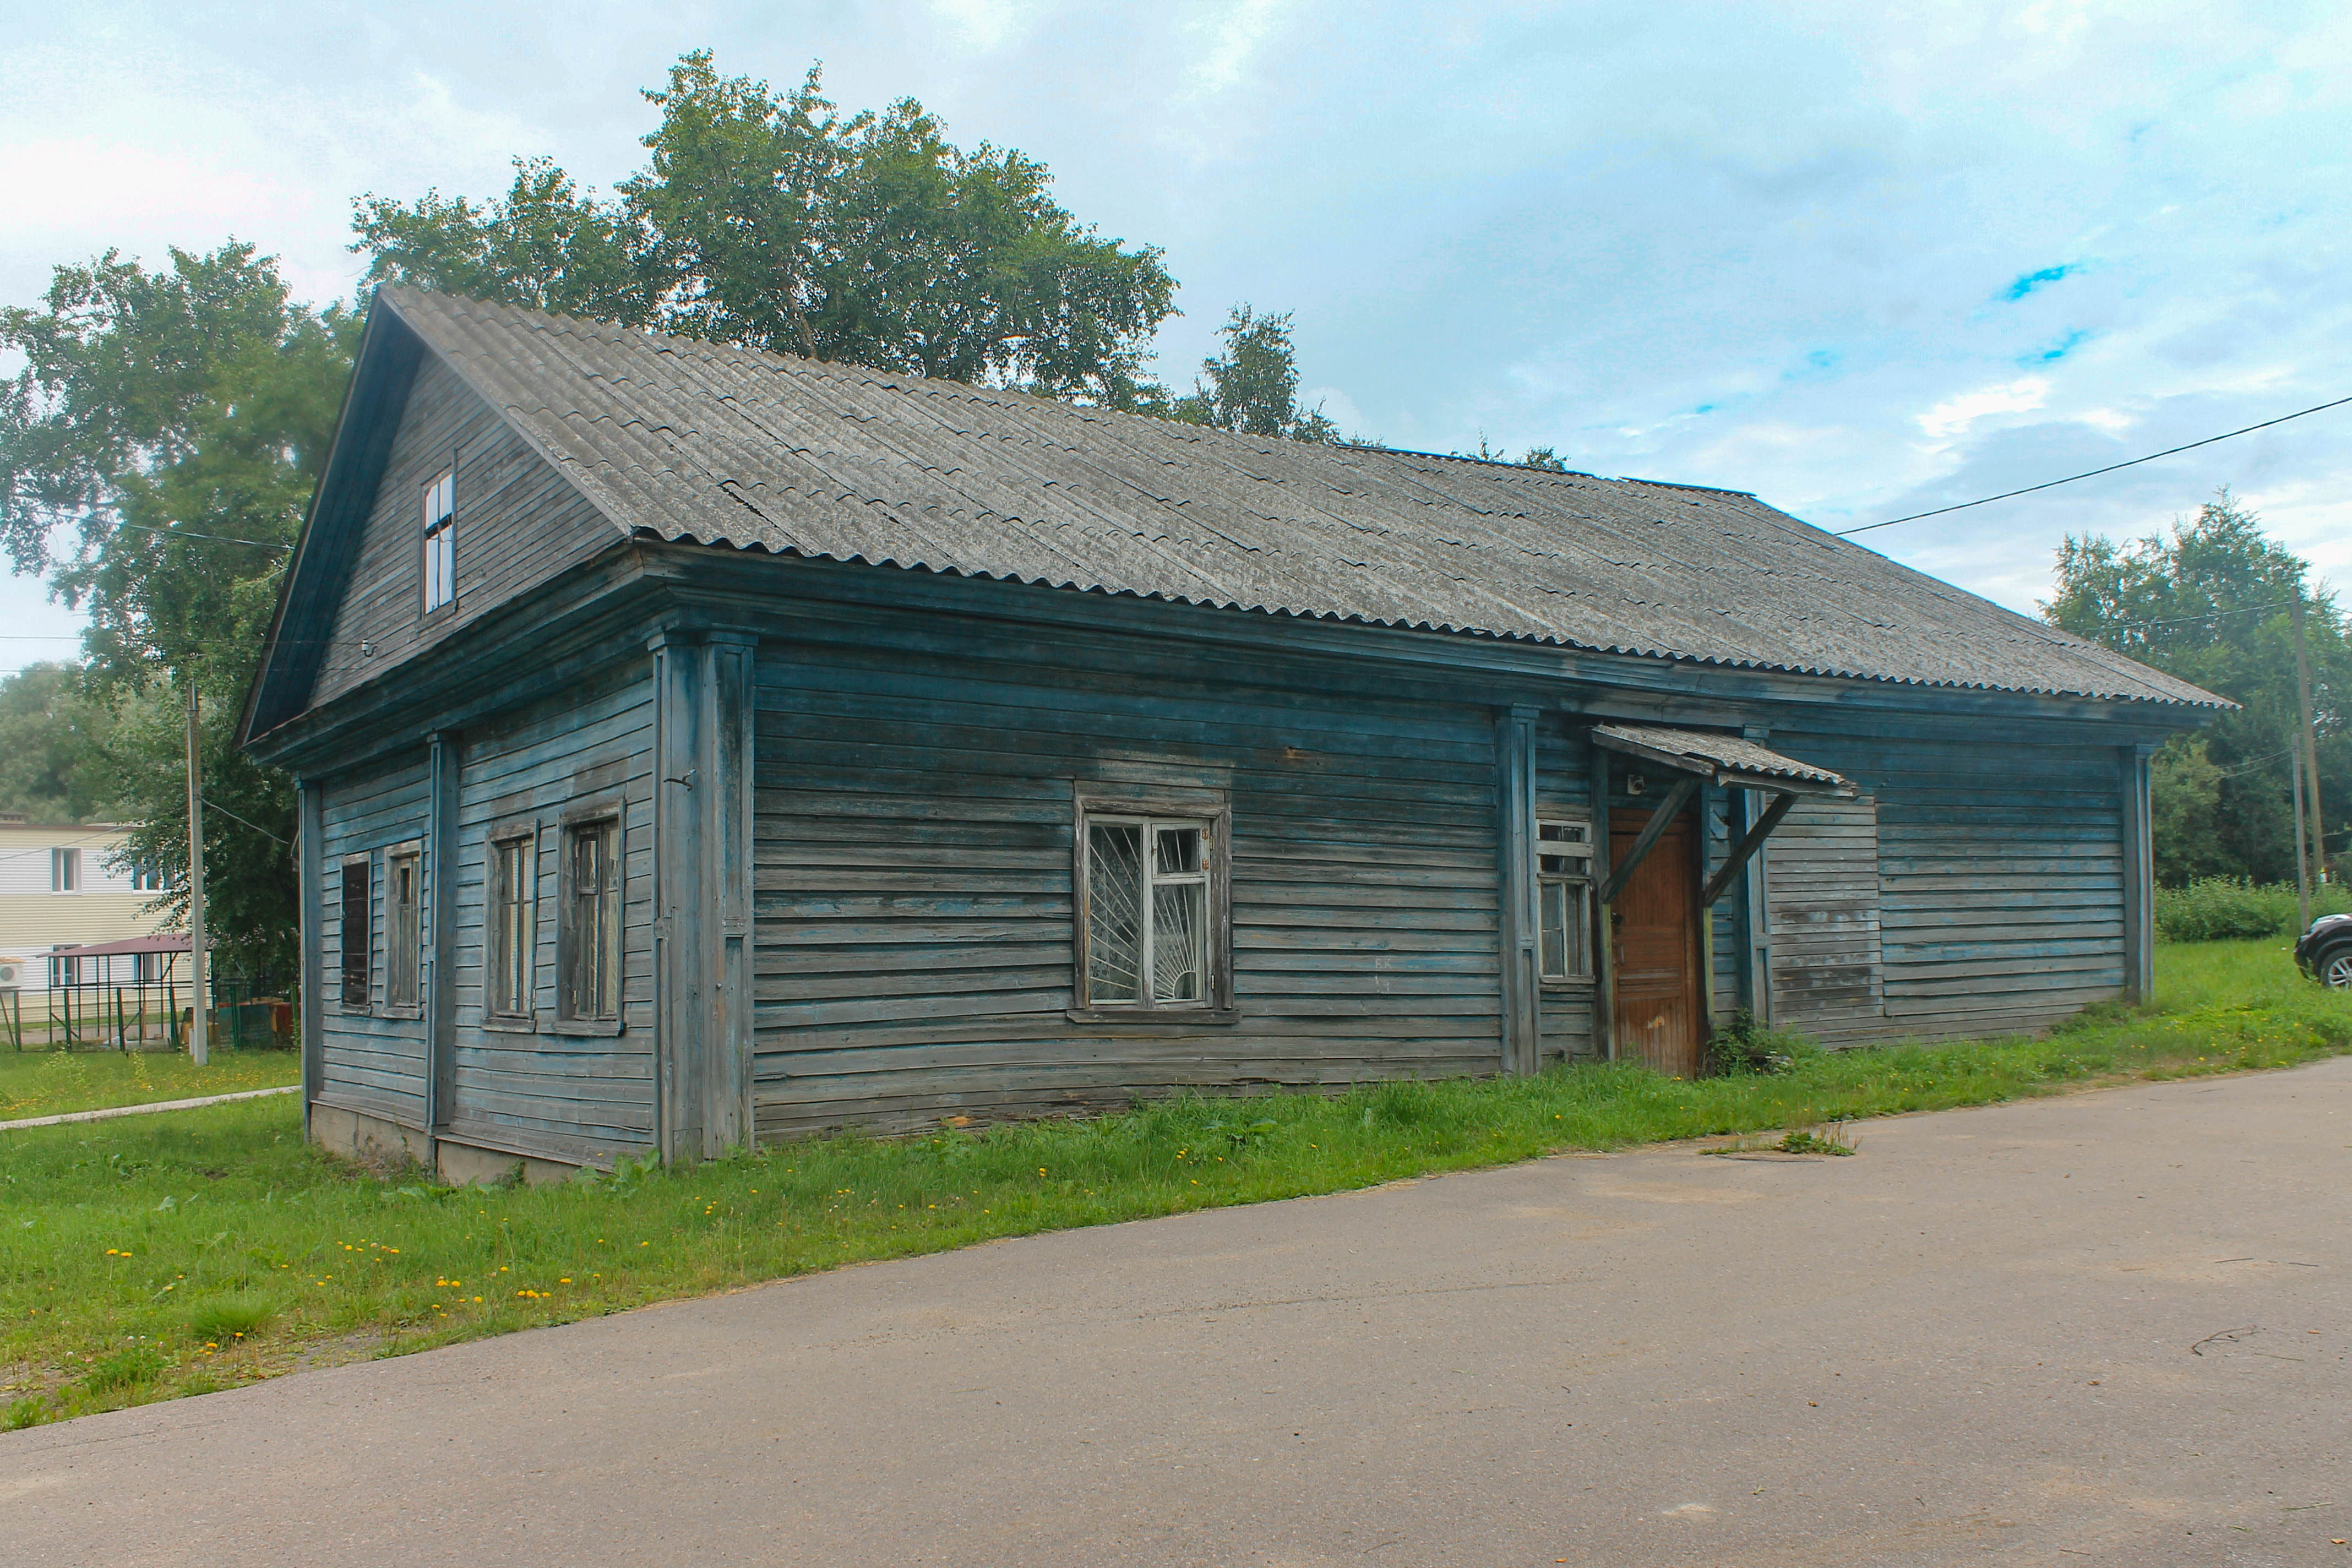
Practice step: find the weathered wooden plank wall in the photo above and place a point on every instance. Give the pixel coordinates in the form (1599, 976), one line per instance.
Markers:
(368, 1061)
(1821, 921)
(914, 857)
(519, 523)
(536, 1089)
(1999, 872)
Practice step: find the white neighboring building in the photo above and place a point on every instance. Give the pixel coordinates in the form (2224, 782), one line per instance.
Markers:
(60, 891)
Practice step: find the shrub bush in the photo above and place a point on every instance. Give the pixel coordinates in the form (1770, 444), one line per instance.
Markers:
(2233, 908)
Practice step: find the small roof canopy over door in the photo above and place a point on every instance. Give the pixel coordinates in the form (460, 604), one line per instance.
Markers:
(1702, 757)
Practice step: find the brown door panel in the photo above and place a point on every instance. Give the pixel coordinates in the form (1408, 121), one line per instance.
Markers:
(1653, 951)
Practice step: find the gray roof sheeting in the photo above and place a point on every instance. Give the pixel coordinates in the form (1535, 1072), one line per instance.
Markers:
(720, 445)
(1702, 750)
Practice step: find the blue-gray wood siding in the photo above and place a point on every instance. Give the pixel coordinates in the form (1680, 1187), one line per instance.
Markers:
(371, 1061)
(1998, 883)
(534, 1088)
(519, 523)
(914, 859)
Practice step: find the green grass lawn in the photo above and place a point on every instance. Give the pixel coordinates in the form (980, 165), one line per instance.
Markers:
(151, 1256)
(48, 1083)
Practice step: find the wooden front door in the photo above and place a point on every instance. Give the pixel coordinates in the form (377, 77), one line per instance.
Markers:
(1654, 949)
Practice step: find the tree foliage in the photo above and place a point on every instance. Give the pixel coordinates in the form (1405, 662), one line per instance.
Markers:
(158, 450)
(773, 220)
(55, 739)
(2211, 603)
(1251, 384)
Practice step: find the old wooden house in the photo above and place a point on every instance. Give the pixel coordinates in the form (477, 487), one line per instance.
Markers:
(697, 746)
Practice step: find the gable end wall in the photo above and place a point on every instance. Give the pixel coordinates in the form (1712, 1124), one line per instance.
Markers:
(519, 523)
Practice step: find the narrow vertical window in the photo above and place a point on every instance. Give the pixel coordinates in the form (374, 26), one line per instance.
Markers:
(441, 540)
(1148, 915)
(588, 935)
(358, 950)
(65, 871)
(1564, 899)
(511, 928)
(402, 938)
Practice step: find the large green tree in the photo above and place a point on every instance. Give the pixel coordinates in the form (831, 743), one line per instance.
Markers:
(157, 451)
(774, 220)
(2212, 602)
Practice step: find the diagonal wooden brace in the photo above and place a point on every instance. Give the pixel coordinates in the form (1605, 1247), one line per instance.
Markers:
(1660, 819)
(1743, 851)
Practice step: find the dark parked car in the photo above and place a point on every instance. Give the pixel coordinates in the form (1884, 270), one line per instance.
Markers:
(2326, 952)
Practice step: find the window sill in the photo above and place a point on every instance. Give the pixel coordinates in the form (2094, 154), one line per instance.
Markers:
(1582, 982)
(502, 1024)
(389, 1011)
(583, 1027)
(1163, 1017)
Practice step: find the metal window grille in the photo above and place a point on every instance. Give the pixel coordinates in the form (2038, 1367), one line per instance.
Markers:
(589, 936)
(1148, 912)
(441, 540)
(1564, 899)
(358, 950)
(511, 927)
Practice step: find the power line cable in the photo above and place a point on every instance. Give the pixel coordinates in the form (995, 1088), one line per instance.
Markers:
(2094, 473)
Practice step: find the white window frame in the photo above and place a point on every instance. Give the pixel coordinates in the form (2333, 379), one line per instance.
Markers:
(65, 871)
(1214, 876)
(1564, 883)
(441, 540)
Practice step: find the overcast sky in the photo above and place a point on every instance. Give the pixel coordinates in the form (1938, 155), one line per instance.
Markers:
(1861, 259)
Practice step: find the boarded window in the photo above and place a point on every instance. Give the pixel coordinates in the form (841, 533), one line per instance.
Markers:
(357, 949)
(588, 935)
(441, 540)
(511, 927)
(1821, 883)
(1564, 899)
(1148, 912)
(403, 929)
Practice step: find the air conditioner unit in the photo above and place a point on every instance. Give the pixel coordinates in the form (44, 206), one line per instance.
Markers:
(11, 973)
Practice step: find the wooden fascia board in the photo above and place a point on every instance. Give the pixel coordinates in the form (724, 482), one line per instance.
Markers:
(311, 588)
(1545, 667)
(581, 621)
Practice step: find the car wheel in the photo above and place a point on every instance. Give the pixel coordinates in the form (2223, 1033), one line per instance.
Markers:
(2335, 968)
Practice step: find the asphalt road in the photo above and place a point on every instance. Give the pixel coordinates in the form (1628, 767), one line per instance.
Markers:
(2112, 1327)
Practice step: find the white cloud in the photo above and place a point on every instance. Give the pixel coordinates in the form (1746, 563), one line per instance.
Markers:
(1235, 32)
(1953, 415)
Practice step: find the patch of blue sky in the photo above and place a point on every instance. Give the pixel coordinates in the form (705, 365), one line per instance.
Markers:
(2057, 351)
(2020, 287)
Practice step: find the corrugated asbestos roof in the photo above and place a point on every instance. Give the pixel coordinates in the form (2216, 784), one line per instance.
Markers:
(1703, 751)
(729, 445)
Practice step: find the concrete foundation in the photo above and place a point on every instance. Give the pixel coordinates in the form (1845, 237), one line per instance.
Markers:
(379, 1143)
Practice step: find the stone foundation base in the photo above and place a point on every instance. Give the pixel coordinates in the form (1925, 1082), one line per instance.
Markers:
(379, 1144)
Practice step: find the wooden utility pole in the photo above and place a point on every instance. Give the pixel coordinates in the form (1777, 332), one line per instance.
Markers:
(2309, 747)
(199, 1022)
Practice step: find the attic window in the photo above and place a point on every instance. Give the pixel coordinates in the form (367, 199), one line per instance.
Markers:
(441, 540)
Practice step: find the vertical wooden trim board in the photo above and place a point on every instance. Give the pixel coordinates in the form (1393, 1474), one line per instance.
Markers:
(309, 836)
(731, 659)
(1516, 929)
(1604, 969)
(2138, 876)
(439, 988)
(680, 982)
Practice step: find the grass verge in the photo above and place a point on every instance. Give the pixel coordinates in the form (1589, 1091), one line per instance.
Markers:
(193, 1250)
(50, 1083)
